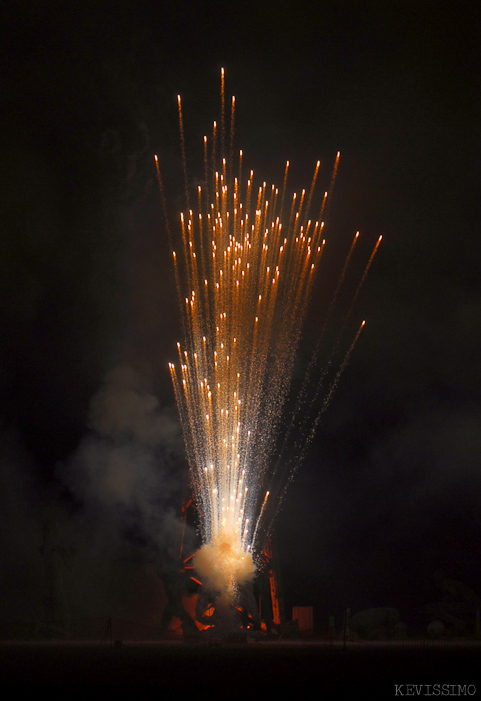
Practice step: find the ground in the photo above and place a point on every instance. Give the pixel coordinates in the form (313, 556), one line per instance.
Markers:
(231, 671)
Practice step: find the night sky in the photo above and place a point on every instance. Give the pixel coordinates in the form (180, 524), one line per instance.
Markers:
(390, 491)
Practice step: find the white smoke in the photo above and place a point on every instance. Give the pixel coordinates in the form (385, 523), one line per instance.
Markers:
(124, 408)
(127, 472)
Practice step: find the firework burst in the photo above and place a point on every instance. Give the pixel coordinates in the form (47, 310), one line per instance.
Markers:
(244, 278)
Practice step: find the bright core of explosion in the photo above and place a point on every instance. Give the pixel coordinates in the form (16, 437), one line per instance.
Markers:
(224, 565)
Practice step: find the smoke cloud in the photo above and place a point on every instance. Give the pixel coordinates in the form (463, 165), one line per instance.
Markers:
(128, 471)
(224, 566)
(127, 479)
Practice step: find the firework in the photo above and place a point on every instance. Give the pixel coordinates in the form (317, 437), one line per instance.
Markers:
(244, 279)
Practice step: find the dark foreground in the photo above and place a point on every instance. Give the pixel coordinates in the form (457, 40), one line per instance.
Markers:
(248, 670)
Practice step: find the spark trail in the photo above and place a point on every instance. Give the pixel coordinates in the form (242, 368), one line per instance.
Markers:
(245, 284)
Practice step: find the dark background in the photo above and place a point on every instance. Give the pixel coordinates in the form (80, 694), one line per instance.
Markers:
(390, 490)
